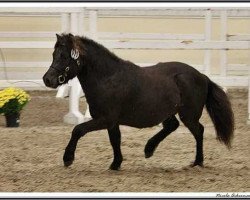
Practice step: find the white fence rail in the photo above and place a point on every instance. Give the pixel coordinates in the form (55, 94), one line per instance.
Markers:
(72, 20)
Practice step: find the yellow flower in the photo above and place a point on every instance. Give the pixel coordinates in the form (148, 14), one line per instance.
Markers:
(11, 94)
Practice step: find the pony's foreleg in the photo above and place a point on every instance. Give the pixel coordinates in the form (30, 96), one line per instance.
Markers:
(115, 140)
(79, 131)
(169, 125)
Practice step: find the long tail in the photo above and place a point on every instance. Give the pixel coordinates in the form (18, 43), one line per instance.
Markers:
(220, 112)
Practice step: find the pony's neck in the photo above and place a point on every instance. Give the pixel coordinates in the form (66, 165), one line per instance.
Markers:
(99, 60)
(98, 64)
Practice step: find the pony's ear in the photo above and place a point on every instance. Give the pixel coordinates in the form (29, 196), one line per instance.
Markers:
(71, 35)
(58, 36)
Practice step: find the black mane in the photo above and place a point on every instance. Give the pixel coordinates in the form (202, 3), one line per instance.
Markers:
(91, 43)
(91, 48)
(101, 61)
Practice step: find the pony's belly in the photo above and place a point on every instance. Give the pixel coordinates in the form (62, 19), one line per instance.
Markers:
(146, 118)
(140, 124)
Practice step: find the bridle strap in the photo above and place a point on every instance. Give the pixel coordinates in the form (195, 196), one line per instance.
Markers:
(74, 55)
(61, 79)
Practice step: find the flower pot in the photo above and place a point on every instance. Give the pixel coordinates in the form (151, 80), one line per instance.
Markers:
(12, 120)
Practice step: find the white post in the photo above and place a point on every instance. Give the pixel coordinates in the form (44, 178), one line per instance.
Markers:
(81, 23)
(63, 90)
(223, 37)
(81, 32)
(65, 22)
(87, 115)
(93, 35)
(74, 116)
(208, 31)
(93, 24)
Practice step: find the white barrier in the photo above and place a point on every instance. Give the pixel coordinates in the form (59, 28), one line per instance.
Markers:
(72, 20)
(195, 43)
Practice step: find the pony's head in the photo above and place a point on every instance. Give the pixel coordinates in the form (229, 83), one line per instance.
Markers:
(66, 62)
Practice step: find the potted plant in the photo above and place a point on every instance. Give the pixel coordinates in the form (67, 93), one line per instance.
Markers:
(12, 101)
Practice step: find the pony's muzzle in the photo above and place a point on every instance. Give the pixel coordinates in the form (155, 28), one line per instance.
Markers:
(46, 81)
(50, 79)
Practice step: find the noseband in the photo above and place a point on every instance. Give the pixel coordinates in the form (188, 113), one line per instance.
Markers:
(74, 55)
(62, 77)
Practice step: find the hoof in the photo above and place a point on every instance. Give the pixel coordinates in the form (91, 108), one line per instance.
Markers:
(149, 149)
(114, 167)
(68, 159)
(200, 164)
(68, 163)
(149, 154)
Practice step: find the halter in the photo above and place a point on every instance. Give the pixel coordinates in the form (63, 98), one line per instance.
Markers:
(61, 78)
(74, 55)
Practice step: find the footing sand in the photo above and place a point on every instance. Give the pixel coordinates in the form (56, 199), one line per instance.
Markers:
(31, 155)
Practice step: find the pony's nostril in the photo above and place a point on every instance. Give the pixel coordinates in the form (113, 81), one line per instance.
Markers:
(47, 81)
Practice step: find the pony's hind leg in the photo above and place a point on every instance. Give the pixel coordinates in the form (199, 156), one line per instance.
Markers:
(169, 125)
(193, 92)
(197, 131)
(115, 140)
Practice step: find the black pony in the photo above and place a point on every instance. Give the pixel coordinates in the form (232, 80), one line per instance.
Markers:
(121, 93)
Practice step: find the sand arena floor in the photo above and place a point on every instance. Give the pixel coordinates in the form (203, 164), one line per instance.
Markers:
(31, 155)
